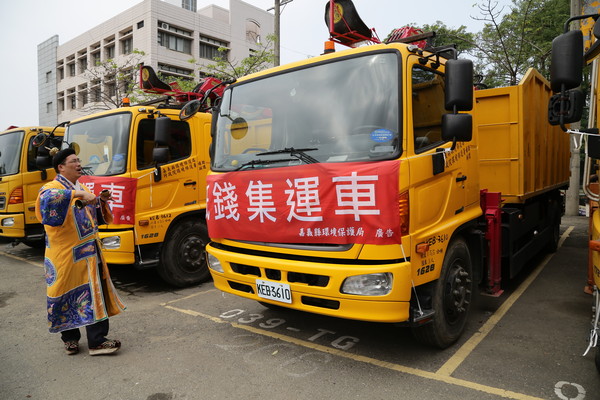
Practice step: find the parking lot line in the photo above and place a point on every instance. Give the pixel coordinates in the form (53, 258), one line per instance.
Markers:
(356, 357)
(463, 352)
(37, 264)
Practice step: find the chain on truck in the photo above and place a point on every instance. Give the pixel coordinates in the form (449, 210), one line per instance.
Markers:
(25, 165)
(375, 184)
(154, 160)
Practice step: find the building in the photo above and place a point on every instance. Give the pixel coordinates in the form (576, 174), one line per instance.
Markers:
(170, 33)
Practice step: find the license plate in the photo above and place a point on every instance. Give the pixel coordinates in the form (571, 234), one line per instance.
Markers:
(274, 291)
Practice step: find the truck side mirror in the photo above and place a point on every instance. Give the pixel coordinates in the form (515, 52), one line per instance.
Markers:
(457, 127)
(572, 101)
(162, 131)
(459, 85)
(567, 61)
(160, 155)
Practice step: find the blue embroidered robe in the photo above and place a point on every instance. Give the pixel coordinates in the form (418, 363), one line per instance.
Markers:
(79, 289)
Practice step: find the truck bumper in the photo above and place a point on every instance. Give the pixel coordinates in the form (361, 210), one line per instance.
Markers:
(317, 288)
(118, 247)
(12, 225)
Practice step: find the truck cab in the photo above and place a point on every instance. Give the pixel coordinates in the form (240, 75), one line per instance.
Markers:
(155, 165)
(21, 178)
(372, 133)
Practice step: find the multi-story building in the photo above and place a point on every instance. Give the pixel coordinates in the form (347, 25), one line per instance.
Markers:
(175, 38)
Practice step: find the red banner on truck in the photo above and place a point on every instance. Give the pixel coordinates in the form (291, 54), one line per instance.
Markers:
(123, 193)
(337, 203)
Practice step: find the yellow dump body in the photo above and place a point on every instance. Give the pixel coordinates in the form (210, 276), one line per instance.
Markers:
(521, 154)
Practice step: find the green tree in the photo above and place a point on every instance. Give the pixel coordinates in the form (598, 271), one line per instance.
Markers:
(226, 69)
(444, 35)
(111, 81)
(512, 41)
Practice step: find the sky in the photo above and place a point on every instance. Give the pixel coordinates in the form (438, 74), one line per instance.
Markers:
(25, 24)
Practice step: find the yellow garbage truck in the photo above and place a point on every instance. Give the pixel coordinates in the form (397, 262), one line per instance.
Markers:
(154, 160)
(25, 165)
(375, 184)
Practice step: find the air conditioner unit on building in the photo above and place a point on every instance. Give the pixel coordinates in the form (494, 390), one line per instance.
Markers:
(164, 25)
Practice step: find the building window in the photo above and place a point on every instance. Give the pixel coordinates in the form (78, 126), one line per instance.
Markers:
(209, 48)
(189, 5)
(71, 69)
(49, 107)
(110, 89)
(61, 73)
(95, 92)
(140, 24)
(72, 102)
(175, 70)
(82, 65)
(110, 52)
(127, 46)
(175, 43)
(48, 76)
(96, 59)
(83, 95)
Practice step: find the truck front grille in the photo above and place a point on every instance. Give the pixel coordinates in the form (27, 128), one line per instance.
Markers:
(278, 275)
(2, 202)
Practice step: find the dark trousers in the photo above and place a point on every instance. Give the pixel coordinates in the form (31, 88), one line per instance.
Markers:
(96, 333)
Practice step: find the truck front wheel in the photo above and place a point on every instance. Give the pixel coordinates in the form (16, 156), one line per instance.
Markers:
(451, 298)
(183, 257)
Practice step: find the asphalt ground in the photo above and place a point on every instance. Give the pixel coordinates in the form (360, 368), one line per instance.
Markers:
(198, 343)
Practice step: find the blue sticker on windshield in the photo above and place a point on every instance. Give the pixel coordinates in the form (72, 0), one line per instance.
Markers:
(382, 135)
(118, 157)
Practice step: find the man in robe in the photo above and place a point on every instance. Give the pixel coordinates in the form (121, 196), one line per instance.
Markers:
(80, 292)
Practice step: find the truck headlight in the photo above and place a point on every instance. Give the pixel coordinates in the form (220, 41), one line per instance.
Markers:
(378, 284)
(8, 222)
(111, 242)
(214, 263)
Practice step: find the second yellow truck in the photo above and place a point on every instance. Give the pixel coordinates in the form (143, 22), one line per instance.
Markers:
(373, 184)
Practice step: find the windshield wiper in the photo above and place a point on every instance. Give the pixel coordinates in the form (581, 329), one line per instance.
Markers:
(298, 153)
(87, 170)
(254, 163)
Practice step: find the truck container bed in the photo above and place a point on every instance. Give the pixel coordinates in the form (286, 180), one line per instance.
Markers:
(521, 154)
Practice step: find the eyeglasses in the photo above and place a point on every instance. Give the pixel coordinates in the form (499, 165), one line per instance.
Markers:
(73, 161)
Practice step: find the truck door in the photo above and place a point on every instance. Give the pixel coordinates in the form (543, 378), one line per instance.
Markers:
(439, 179)
(32, 178)
(160, 201)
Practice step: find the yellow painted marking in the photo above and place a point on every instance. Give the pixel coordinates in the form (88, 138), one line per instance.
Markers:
(466, 349)
(443, 374)
(37, 264)
(383, 364)
(188, 297)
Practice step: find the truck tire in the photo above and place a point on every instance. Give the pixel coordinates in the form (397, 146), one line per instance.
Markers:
(183, 256)
(451, 298)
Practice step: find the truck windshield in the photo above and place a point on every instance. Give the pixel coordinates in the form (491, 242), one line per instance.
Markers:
(10, 152)
(102, 142)
(341, 111)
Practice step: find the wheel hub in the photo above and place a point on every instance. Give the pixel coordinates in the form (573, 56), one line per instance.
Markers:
(458, 293)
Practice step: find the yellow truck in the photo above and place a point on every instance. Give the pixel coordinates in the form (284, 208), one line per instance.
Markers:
(374, 184)
(154, 160)
(21, 150)
(570, 52)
